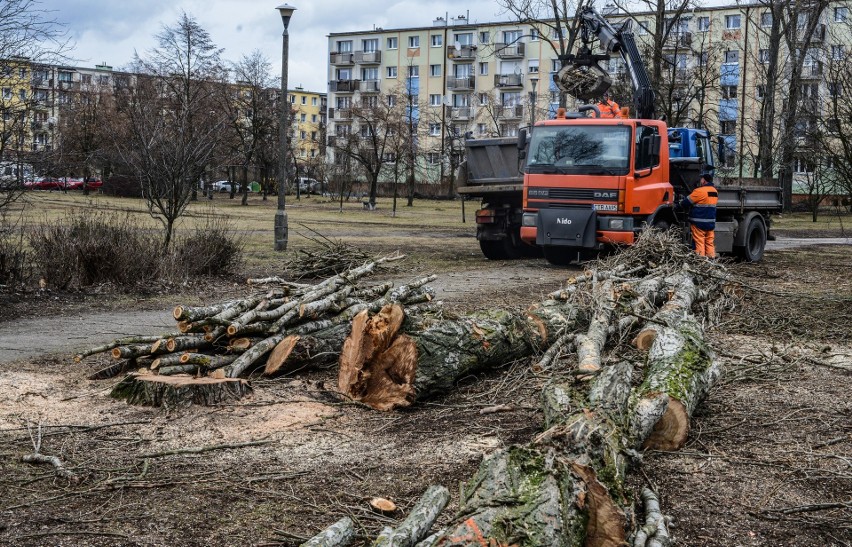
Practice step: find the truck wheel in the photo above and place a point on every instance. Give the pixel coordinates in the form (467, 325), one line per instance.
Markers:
(500, 249)
(755, 241)
(559, 256)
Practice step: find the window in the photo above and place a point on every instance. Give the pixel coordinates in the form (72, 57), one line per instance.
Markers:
(729, 92)
(463, 38)
(313, 101)
(434, 70)
(389, 157)
(703, 57)
(342, 74)
(835, 89)
(534, 35)
(703, 24)
(434, 100)
(65, 77)
(414, 41)
(643, 27)
(837, 53)
(732, 22)
(484, 38)
(644, 160)
(732, 56)
(532, 67)
(7, 92)
(483, 69)
(433, 158)
(313, 118)
(803, 165)
(393, 43)
(760, 91)
(414, 71)
(86, 78)
(313, 152)
(344, 46)
(481, 128)
(766, 19)
(22, 73)
(483, 99)
(303, 118)
(511, 36)
(22, 94)
(840, 14)
(370, 45)
(509, 130)
(763, 55)
(391, 100)
(435, 129)
(437, 40)
(313, 135)
(555, 65)
(728, 127)
(103, 80)
(304, 100)
(391, 72)
(303, 135)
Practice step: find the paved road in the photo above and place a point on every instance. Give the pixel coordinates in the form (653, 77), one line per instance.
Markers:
(68, 334)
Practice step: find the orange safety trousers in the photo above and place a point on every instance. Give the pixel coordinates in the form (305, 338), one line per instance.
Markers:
(704, 241)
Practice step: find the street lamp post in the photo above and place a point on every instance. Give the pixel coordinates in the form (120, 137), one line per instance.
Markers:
(533, 83)
(286, 12)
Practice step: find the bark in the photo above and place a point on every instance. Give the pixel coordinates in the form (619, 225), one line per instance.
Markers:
(254, 353)
(654, 533)
(562, 489)
(338, 534)
(151, 390)
(419, 520)
(590, 345)
(131, 340)
(386, 370)
(681, 368)
(684, 293)
(131, 351)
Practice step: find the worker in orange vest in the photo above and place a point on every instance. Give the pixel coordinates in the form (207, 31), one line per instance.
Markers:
(701, 204)
(608, 107)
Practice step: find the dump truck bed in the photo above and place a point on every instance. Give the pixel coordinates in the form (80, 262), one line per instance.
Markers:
(492, 167)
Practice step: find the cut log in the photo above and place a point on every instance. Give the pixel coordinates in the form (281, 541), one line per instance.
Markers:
(418, 522)
(654, 533)
(590, 344)
(320, 347)
(184, 343)
(151, 390)
(194, 313)
(206, 361)
(131, 340)
(683, 293)
(131, 351)
(682, 368)
(279, 355)
(337, 535)
(247, 359)
(166, 361)
(171, 370)
(430, 357)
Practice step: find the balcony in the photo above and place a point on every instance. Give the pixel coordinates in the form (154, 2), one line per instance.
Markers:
(509, 112)
(342, 113)
(817, 37)
(42, 82)
(678, 40)
(462, 53)
(343, 86)
(508, 80)
(464, 83)
(461, 113)
(65, 85)
(513, 51)
(367, 57)
(369, 86)
(812, 71)
(341, 58)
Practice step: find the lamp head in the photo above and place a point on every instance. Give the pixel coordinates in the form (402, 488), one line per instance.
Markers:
(286, 11)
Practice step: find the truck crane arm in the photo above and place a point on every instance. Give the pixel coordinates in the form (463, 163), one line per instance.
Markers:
(582, 77)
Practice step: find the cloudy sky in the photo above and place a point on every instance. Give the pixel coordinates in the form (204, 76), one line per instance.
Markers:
(111, 30)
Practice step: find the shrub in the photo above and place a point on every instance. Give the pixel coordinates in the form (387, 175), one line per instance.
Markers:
(84, 249)
(213, 249)
(14, 260)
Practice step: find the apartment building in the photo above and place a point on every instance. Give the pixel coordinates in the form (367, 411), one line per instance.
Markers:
(492, 78)
(308, 110)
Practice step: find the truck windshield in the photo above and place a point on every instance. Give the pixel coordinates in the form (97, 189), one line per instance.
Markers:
(580, 149)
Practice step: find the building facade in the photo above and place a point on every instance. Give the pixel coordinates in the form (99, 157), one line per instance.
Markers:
(490, 79)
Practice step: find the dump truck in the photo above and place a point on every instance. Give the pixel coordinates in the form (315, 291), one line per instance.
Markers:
(582, 182)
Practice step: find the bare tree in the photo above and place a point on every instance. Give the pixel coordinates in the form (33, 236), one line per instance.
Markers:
(172, 120)
(833, 133)
(28, 36)
(252, 115)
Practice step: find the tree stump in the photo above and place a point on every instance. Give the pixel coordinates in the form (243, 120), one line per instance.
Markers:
(154, 390)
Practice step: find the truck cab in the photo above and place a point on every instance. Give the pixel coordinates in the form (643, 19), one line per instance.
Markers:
(589, 182)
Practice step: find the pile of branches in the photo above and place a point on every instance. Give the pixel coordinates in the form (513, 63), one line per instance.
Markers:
(286, 328)
(326, 257)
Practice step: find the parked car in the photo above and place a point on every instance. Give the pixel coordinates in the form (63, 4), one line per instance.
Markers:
(223, 186)
(308, 185)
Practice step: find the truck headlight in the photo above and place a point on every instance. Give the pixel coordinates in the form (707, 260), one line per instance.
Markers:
(616, 224)
(529, 219)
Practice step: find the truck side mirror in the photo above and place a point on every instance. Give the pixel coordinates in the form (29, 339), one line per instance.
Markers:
(721, 152)
(522, 144)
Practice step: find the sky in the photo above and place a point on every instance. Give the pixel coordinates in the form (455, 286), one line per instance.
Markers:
(110, 31)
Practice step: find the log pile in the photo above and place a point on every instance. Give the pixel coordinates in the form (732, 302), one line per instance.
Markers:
(285, 328)
(567, 485)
